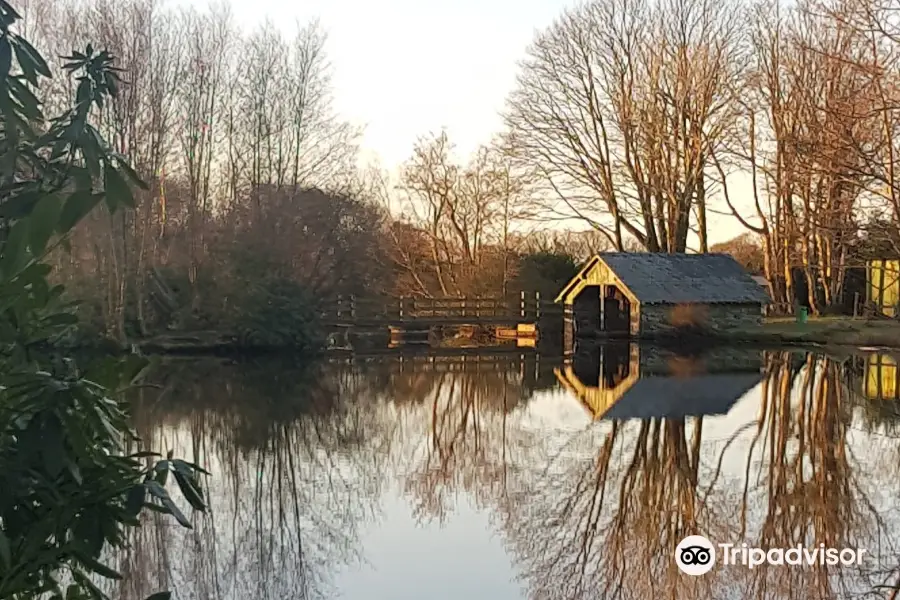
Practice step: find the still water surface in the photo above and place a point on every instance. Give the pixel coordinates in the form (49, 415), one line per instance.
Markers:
(512, 478)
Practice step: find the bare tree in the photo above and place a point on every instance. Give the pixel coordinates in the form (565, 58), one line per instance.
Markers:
(809, 113)
(618, 110)
(467, 212)
(213, 120)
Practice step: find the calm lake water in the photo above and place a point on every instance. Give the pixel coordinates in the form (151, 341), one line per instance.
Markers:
(513, 478)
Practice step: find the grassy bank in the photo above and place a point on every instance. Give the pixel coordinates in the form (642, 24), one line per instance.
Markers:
(830, 331)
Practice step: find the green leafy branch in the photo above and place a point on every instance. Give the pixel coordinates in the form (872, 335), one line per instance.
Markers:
(68, 490)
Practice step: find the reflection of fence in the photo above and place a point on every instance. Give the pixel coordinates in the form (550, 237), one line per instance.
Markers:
(443, 360)
(476, 362)
(441, 311)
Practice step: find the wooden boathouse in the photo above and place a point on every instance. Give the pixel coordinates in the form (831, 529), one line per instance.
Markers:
(625, 294)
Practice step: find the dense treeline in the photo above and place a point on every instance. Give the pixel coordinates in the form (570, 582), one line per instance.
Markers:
(237, 136)
(638, 119)
(254, 187)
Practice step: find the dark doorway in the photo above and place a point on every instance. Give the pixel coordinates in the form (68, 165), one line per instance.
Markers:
(616, 312)
(586, 312)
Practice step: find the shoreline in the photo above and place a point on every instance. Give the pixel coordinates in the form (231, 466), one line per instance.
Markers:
(869, 335)
(839, 333)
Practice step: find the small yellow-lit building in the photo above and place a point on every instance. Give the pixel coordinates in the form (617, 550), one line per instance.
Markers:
(883, 286)
(634, 294)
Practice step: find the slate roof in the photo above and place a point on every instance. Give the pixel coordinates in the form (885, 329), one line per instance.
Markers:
(673, 397)
(656, 278)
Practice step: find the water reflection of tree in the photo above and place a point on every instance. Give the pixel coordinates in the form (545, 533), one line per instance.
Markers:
(810, 489)
(607, 527)
(467, 443)
(294, 478)
(298, 453)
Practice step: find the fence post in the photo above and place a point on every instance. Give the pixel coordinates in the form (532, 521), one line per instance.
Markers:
(537, 305)
(522, 304)
(463, 307)
(340, 300)
(352, 306)
(401, 312)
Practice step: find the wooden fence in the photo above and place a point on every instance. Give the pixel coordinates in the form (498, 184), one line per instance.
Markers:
(521, 308)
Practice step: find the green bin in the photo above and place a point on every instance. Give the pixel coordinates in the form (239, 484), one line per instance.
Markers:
(802, 314)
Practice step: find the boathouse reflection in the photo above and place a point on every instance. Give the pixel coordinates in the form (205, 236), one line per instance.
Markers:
(625, 381)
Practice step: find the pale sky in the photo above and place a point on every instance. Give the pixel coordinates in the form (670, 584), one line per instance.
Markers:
(404, 68)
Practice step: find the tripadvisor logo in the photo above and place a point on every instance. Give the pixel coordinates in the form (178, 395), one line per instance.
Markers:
(696, 555)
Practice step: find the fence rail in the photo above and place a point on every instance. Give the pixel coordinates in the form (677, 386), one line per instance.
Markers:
(522, 308)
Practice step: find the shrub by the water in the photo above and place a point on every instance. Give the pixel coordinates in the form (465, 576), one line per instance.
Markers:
(281, 313)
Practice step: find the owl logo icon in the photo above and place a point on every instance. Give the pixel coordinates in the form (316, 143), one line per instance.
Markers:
(695, 555)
